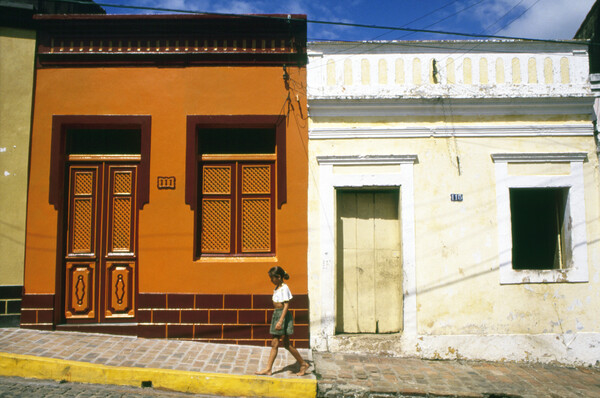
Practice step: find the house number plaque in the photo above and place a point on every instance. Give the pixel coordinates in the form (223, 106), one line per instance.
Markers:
(165, 182)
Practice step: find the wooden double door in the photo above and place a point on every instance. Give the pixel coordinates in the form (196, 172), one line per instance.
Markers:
(100, 256)
(369, 265)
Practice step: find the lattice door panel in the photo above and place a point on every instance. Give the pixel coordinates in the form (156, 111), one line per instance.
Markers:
(120, 290)
(256, 179)
(81, 237)
(121, 212)
(216, 179)
(80, 290)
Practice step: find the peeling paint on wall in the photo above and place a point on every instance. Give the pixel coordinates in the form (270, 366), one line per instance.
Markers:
(461, 307)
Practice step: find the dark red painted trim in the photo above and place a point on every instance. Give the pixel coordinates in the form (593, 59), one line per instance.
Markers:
(180, 301)
(229, 121)
(38, 327)
(166, 17)
(152, 331)
(280, 137)
(124, 330)
(81, 35)
(224, 319)
(152, 300)
(163, 60)
(37, 301)
(238, 301)
(60, 125)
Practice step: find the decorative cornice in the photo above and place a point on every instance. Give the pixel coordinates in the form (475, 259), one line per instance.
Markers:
(367, 159)
(341, 107)
(535, 130)
(165, 40)
(559, 157)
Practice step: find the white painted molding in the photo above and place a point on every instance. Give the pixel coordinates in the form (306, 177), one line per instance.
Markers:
(328, 182)
(536, 130)
(570, 348)
(578, 271)
(365, 106)
(561, 157)
(367, 159)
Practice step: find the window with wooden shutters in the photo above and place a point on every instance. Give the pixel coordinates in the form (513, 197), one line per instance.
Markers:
(236, 193)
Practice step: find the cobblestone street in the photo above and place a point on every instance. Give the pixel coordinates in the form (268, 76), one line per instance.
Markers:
(32, 388)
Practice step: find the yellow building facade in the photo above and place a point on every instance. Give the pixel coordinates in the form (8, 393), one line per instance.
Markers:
(453, 200)
(17, 54)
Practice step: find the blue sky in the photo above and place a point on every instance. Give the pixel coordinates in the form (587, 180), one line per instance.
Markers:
(540, 19)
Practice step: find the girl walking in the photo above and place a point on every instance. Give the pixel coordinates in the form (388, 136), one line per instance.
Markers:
(282, 324)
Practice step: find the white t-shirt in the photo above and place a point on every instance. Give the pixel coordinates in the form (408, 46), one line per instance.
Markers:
(282, 294)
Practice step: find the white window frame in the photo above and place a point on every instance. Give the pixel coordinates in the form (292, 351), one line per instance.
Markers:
(575, 207)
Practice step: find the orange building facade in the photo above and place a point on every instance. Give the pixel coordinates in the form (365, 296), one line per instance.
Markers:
(168, 173)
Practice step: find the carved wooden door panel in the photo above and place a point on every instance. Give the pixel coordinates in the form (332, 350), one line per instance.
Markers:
(101, 252)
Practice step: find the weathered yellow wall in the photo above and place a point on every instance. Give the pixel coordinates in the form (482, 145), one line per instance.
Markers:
(17, 50)
(457, 269)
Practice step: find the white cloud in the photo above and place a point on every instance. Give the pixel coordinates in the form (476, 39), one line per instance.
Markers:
(548, 19)
(238, 7)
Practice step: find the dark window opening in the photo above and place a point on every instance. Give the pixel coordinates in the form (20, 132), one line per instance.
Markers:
(539, 238)
(222, 141)
(103, 142)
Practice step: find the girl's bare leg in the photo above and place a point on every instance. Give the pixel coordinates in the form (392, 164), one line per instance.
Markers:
(303, 364)
(269, 369)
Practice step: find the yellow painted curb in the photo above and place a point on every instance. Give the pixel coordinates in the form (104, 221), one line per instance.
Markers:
(177, 380)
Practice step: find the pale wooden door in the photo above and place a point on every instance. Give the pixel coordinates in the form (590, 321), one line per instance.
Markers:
(369, 267)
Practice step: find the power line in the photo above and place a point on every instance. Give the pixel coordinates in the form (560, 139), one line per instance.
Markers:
(347, 24)
(443, 19)
(518, 16)
(505, 15)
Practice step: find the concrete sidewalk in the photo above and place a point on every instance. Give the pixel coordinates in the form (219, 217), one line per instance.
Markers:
(219, 369)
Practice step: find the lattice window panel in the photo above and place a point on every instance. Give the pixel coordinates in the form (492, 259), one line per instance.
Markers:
(216, 180)
(256, 179)
(122, 183)
(121, 224)
(82, 225)
(256, 225)
(216, 226)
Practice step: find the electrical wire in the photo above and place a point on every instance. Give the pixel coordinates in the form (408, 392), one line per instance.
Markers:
(419, 18)
(445, 18)
(335, 23)
(504, 16)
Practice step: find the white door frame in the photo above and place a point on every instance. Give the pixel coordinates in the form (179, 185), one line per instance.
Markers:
(328, 182)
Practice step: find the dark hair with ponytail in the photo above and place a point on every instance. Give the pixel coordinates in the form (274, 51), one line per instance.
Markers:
(277, 270)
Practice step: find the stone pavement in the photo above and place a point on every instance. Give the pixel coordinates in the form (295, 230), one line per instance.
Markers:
(219, 369)
(179, 365)
(17, 387)
(357, 376)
